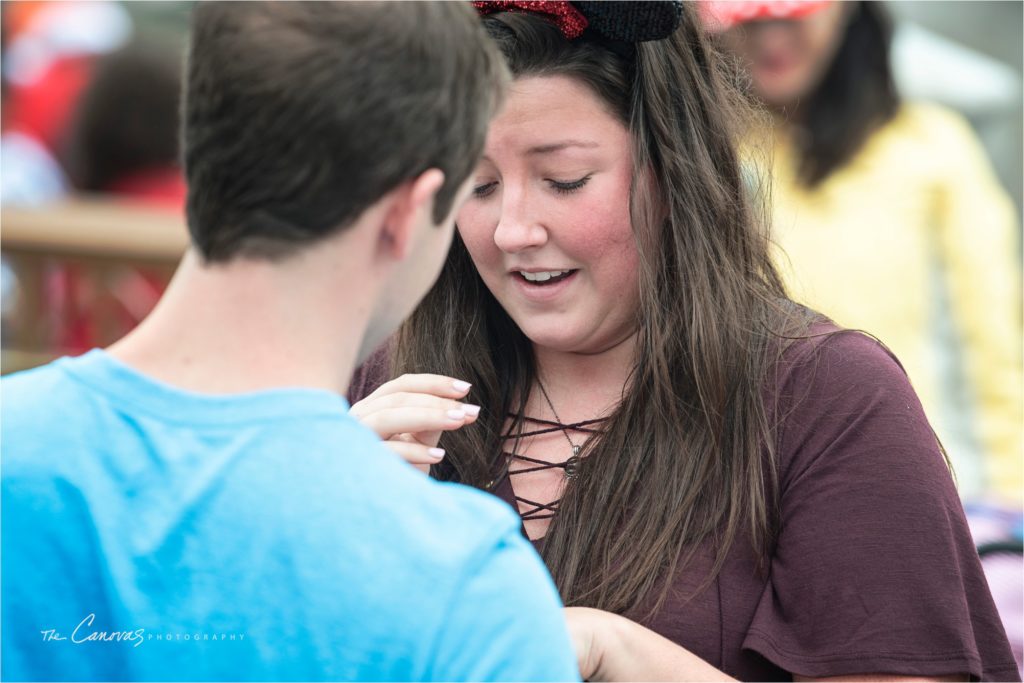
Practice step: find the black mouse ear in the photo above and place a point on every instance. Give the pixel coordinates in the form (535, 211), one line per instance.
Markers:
(633, 22)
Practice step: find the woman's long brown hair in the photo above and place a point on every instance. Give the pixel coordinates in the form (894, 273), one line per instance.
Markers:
(687, 457)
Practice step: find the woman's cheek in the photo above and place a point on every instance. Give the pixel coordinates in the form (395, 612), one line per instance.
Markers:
(471, 222)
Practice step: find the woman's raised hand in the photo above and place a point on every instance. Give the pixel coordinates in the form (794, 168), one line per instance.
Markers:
(410, 413)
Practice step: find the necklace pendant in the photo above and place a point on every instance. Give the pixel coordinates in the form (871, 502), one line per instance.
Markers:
(575, 451)
(572, 465)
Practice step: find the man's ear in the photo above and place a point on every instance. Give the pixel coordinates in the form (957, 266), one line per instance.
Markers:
(411, 202)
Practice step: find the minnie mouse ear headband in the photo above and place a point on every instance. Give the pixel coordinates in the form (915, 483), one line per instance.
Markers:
(721, 15)
(625, 22)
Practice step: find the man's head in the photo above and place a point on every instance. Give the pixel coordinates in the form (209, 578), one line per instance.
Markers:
(299, 116)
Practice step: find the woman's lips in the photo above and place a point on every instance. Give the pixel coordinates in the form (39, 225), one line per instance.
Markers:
(543, 291)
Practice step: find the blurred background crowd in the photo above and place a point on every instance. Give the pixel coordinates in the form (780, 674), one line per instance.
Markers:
(892, 140)
(90, 125)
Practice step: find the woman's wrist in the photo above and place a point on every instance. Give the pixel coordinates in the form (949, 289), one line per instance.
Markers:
(627, 651)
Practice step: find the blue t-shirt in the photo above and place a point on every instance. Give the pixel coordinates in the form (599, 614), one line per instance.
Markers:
(155, 534)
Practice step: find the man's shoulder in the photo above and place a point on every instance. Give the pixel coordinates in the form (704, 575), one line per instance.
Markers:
(33, 399)
(26, 384)
(314, 484)
(326, 487)
(358, 518)
(368, 483)
(458, 522)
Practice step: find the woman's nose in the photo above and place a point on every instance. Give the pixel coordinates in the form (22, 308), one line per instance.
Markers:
(518, 228)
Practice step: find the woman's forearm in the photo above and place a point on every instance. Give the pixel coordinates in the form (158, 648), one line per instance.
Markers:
(626, 651)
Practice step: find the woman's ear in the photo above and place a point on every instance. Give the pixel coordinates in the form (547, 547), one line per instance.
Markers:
(411, 209)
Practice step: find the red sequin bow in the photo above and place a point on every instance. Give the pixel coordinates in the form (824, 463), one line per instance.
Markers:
(570, 21)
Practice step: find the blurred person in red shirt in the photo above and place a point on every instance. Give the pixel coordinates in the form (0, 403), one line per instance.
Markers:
(123, 136)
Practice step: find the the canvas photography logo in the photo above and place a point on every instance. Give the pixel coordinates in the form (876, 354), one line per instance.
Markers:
(90, 630)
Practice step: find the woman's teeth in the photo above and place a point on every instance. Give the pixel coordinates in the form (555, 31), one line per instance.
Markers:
(544, 276)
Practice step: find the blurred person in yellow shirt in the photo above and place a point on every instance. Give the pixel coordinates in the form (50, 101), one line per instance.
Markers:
(888, 217)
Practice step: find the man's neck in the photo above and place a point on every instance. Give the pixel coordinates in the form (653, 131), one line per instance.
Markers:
(248, 326)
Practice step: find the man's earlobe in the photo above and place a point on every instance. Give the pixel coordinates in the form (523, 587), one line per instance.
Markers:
(425, 188)
(412, 204)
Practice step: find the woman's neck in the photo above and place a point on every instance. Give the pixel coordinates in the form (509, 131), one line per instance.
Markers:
(583, 386)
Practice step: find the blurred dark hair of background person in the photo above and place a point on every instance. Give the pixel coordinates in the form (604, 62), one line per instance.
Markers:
(837, 85)
(123, 136)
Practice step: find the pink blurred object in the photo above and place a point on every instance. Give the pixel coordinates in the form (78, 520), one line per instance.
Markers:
(721, 15)
(1005, 574)
(998, 533)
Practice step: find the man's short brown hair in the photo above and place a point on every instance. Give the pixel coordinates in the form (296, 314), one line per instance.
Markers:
(300, 115)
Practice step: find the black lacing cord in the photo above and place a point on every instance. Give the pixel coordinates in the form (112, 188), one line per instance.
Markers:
(545, 510)
(583, 426)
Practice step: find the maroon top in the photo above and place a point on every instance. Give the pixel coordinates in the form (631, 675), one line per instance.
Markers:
(874, 569)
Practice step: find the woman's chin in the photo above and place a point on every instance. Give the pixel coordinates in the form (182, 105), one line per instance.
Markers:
(780, 92)
(559, 341)
(553, 340)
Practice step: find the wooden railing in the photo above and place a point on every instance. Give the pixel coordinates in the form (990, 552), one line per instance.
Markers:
(87, 271)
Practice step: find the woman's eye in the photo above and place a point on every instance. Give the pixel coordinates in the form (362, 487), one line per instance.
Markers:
(484, 190)
(569, 186)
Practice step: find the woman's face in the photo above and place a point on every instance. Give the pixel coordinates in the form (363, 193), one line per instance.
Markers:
(547, 224)
(789, 57)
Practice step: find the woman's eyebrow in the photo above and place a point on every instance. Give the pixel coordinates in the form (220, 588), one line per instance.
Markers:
(558, 146)
(554, 147)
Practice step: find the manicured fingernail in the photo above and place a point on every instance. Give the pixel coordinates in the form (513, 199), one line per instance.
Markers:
(456, 414)
(436, 453)
(471, 409)
(461, 386)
